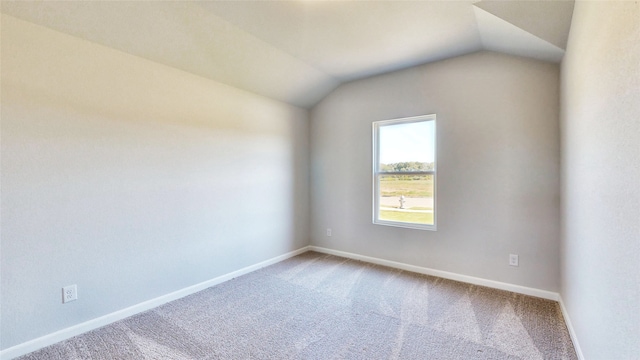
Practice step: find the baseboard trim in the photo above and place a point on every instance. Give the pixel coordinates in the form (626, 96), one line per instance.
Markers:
(572, 332)
(443, 274)
(64, 334)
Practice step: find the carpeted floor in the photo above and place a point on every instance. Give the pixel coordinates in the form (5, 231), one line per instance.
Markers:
(317, 306)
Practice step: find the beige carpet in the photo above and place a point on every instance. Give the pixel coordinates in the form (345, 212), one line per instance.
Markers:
(316, 306)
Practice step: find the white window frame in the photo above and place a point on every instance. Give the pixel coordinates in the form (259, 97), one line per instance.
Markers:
(377, 173)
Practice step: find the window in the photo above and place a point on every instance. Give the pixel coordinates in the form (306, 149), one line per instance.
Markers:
(404, 172)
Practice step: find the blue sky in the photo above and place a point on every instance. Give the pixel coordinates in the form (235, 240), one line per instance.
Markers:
(406, 142)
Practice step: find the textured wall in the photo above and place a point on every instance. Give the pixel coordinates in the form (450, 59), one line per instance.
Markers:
(601, 178)
(498, 167)
(133, 180)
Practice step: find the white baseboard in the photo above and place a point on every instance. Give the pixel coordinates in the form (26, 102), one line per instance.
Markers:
(64, 334)
(572, 332)
(443, 274)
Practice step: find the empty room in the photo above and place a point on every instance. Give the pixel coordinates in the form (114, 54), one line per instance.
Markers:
(315, 179)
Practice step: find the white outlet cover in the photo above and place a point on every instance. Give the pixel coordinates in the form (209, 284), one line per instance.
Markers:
(69, 293)
(513, 259)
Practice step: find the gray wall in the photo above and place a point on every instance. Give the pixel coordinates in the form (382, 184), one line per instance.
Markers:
(133, 180)
(498, 167)
(601, 178)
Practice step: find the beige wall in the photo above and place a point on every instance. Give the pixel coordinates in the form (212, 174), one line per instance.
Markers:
(601, 178)
(498, 167)
(132, 180)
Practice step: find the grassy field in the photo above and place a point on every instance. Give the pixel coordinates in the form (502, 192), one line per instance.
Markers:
(409, 186)
(412, 217)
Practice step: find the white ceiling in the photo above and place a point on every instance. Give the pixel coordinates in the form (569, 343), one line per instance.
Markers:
(298, 51)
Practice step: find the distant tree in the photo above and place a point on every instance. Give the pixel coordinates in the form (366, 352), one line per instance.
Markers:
(408, 166)
(386, 167)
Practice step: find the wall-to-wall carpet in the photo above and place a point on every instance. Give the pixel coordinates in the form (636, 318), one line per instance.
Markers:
(316, 306)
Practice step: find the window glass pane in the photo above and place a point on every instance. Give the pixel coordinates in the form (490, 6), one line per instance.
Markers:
(406, 198)
(404, 172)
(407, 147)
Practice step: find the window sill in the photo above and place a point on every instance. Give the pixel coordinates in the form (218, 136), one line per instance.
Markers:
(405, 225)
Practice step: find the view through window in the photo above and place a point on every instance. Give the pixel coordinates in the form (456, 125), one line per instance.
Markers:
(404, 172)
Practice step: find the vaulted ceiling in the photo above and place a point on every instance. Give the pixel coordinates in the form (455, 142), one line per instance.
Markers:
(299, 51)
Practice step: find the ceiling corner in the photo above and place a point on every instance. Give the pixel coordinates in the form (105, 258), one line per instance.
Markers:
(500, 35)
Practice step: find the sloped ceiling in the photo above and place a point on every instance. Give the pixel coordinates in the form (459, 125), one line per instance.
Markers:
(298, 51)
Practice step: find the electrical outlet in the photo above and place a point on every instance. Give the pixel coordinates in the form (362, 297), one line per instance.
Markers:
(69, 293)
(513, 259)
(328, 232)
